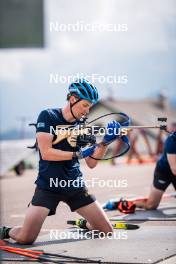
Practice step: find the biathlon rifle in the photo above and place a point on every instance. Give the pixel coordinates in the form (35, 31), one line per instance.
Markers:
(84, 134)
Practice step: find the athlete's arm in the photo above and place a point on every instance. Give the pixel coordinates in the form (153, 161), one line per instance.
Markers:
(48, 152)
(172, 162)
(99, 153)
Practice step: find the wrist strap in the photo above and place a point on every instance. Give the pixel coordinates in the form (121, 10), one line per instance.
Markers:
(74, 156)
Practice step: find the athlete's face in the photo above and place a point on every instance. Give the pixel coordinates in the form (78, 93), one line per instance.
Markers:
(81, 108)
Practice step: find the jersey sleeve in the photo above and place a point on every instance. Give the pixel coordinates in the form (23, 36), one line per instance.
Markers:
(171, 145)
(44, 123)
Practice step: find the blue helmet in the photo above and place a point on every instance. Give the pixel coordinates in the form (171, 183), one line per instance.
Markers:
(84, 90)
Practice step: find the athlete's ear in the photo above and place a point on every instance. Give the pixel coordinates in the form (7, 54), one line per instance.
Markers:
(73, 99)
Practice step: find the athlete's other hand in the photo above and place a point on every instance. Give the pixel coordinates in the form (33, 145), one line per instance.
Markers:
(82, 154)
(112, 132)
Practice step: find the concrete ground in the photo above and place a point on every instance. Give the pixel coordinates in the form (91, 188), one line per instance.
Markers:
(153, 242)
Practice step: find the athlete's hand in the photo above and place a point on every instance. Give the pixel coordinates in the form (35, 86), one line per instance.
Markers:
(113, 132)
(82, 154)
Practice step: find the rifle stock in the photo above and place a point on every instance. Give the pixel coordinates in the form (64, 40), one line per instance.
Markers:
(69, 133)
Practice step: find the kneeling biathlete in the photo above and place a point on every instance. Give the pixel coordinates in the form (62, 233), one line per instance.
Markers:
(60, 162)
(164, 175)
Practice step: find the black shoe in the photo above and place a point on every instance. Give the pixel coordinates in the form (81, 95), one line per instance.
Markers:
(4, 232)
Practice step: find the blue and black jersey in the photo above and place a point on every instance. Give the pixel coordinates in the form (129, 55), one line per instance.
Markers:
(169, 148)
(57, 171)
(163, 175)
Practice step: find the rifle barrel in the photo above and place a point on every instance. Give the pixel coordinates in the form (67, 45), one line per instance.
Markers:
(135, 127)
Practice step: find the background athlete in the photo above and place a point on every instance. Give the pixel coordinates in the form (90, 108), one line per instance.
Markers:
(164, 175)
(61, 162)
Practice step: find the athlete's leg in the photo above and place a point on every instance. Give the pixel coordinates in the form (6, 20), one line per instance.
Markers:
(161, 181)
(33, 221)
(152, 201)
(96, 217)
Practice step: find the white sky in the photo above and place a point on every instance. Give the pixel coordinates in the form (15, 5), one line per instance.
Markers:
(145, 53)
